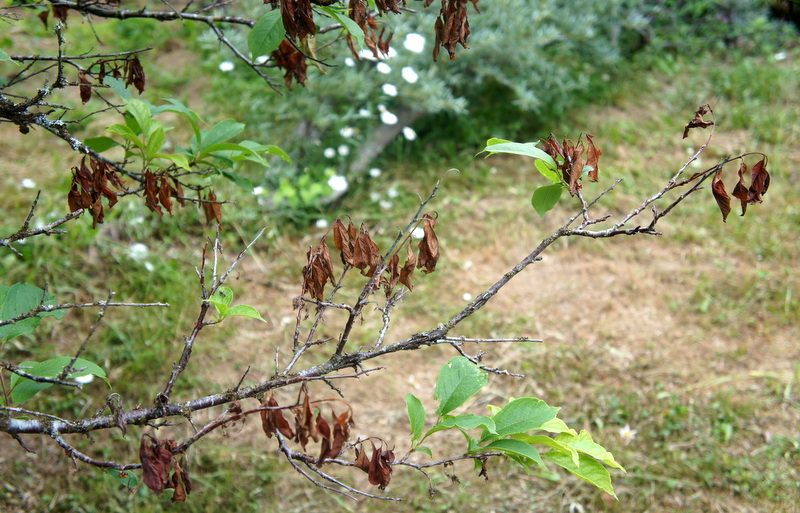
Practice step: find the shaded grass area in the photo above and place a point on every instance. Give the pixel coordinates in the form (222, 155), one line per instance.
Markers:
(689, 339)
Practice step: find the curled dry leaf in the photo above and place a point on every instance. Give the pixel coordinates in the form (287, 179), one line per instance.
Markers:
(740, 191)
(151, 193)
(212, 208)
(452, 27)
(272, 420)
(760, 182)
(408, 268)
(318, 271)
(85, 88)
(90, 186)
(698, 121)
(366, 254)
(393, 270)
(305, 427)
(592, 158)
(156, 461)
(428, 246)
(298, 18)
(135, 74)
(720, 195)
(293, 62)
(380, 468)
(344, 239)
(362, 17)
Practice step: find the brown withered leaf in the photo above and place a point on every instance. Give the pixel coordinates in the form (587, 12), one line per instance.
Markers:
(740, 191)
(452, 27)
(343, 240)
(293, 62)
(305, 427)
(151, 193)
(85, 88)
(385, 6)
(380, 469)
(592, 158)
(97, 212)
(362, 461)
(428, 246)
(760, 182)
(60, 13)
(324, 254)
(698, 121)
(298, 18)
(273, 420)
(576, 164)
(393, 270)
(43, 17)
(318, 271)
(362, 17)
(180, 481)
(212, 208)
(165, 193)
(178, 188)
(720, 195)
(135, 74)
(365, 253)
(324, 430)
(553, 148)
(156, 461)
(408, 268)
(341, 431)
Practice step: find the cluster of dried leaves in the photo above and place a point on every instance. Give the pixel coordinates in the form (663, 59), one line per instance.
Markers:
(290, 59)
(159, 189)
(158, 459)
(357, 249)
(452, 26)
(570, 159)
(89, 187)
(128, 68)
(332, 436)
(747, 195)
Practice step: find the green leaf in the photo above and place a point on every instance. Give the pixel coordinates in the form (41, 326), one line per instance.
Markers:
(21, 298)
(274, 150)
(348, 24)
(124, 477)
(178, 107)
(238, 179)
(141, 113)
(221, 299)
(549, 442)
(523, 453)
(179, 160)
(426, 450)
(244, 311)
(23, 389)
(267, 34)
(524, 149)
(154, 143)
(5, 57)
(459, 379)
(218, 133)
(548, 172)
(557, 425)
(589, 469)
(545, 198)
(416, 416)
(126, 132)
(584, 443)
(523, 414)
(100, 144)
(118, 86)
(463, 422)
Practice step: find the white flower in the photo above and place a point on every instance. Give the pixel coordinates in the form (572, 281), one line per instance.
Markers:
(137, 220)
(385, 204)
(418, 233)
(261, 59)
(226, 66)
(409, 75)
(392, 192)
(346, 131)
(27, 183)
(349, 62)
(389, 89)
(388, 118)
(329, 153)
(409, 133)
(338, 183)
(375, 172)
(467, 296)
(780, 56)
(258, 190)
(413, 382)
(627, 434)
(384, 68)
(150, 267)
(84, 379)
(364, 113)
(414, 43)
(343, 150)
(322, 224)
(138, 251)
(374, 196)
